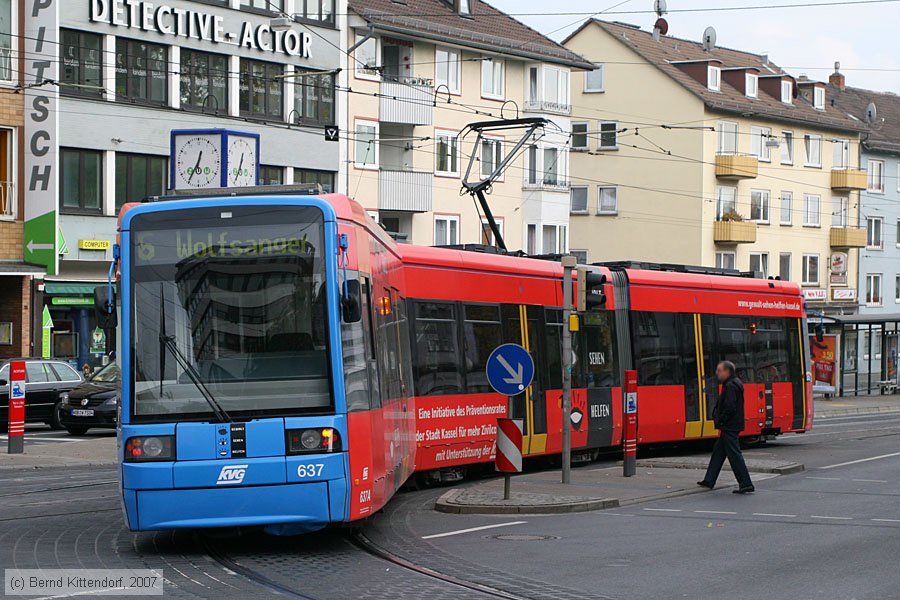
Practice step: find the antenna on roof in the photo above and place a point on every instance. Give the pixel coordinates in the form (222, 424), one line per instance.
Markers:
(709, 38)
(871, 113)
(661, 27)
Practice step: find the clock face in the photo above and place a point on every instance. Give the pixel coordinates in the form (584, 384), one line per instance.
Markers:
(241, 161)
(198, 162)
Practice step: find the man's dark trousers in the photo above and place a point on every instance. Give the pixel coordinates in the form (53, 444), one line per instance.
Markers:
(728, 446)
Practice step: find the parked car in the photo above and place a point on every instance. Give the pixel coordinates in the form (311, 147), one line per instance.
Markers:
(45, 380)
(94, 403)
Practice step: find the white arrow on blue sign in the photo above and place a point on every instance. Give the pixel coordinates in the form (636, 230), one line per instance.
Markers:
(510, 369)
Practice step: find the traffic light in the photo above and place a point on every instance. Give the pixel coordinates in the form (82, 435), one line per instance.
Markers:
(591, 294)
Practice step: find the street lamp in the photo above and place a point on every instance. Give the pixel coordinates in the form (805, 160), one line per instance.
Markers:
(281, 23)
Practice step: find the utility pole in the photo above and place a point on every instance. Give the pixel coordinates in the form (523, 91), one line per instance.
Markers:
(569, 263)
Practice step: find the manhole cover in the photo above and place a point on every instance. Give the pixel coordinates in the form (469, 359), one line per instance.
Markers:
(523, 537)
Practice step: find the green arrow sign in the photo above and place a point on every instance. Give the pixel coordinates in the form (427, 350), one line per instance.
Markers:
(46, 326)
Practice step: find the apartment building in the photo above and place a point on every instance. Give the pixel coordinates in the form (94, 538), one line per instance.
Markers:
(421, 71)
(717, 158)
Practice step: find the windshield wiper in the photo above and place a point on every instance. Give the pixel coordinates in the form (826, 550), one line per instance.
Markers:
(167, 342)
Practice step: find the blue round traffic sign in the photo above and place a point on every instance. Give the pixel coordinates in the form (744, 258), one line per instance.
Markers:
(510, 369)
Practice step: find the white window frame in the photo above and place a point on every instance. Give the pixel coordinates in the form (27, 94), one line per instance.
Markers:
(898, 179)
(787, 144)
(486, 227)
(765, 206)
(454, 68)
(805, 280)
(819, 98)
(751, 90)
(875, 242)
(587, 199)
(373, 166)
(560, 235)
(586, 134)
(790, 269)
(724, 132)
(871, 299)
(713, 78)
(587, 87)
(897, 289)
(497, 157)
(763, 258)
(13, 45)
(464, 8)
(615, 126)
(579, 253)
(600, 209)
(720, 260)
(897, 240)
(560, 165)
(787, 91)
(361, 72)
(721, 192)
(452, 138)
(840, 211)
(808, 140)
(8, 188)
(562, 79)
(449, 219)
(875, 186)
(807, 203)
(840, 154)
(491, 62)
(758, 147)
(789, 205)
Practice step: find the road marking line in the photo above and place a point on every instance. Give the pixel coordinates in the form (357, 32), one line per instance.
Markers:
(862, 460)
(887, 520)
(482, 528)
(831, 518)
(826, 478)
(774, 515)
(715, 512)
(870, 480)
(663, 509)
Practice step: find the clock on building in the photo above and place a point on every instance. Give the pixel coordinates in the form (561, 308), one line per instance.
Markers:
(213, 158)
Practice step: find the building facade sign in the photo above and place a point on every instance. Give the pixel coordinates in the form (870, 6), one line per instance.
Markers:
(94, 244)
(41, 133)
(843, 295)
(839, 266)
(815, 294)
(199, 25)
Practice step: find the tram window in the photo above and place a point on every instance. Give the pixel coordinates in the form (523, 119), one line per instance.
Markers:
(482, 335)
(437, 355)
(735, 345)
(691, 373)
(356, 377)
(553, 378)
(404, 356)
(656, 350)
(770, 352)
(601, 366)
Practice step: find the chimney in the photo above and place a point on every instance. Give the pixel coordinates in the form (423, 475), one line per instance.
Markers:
(837, 78)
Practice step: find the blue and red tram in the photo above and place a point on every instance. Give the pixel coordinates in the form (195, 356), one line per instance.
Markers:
(287, 364)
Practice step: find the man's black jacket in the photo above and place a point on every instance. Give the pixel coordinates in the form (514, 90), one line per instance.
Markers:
(729, 412)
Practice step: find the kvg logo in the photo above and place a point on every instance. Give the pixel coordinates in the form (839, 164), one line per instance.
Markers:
(232, 474)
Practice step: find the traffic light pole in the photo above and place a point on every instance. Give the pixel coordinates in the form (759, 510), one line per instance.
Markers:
(569, 263)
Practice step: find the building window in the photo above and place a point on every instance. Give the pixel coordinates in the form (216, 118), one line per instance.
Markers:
(321, 11)
(7, 32)
(784, 266)
(464, 8)
(267, 5)
(325, 179)
(897, 288)
(492, 78)
(609, 135)
(555, 95)
(874, 233)
(787, 92)
(759, 206)
(262, 90)
(204, 81)
(725, 201)
(725, 260)
(8, 199)
(446, 153)
(82, 63)
(840, 154)
(532, 164)
(142, 73)
(531, 239)
(759, 263)
(876, 176)
(554, 239)
(139, 176)
(446, 230)
(811, 210)
(810, 269)
(366, 154)
(81, 181)
(726, 137)
(447, 69)
(581, 256)
(366, 57)
(819, 98)
(554, 166)
(269, 175)
(487, 236)
(897, 235)
(787, 208)
(492, 156)
(578, 200)
(714, 78)
(813, 145)
(840, 214)
(787, 147)
(608, 202)
(751, 85)
(580, 136)
(758, 147)
(873, 290)
(594, 80)
(314, 98)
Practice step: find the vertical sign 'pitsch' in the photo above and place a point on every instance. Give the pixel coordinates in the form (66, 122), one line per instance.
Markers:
(41, 132)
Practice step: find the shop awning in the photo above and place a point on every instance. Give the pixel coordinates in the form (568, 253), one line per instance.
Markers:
(70, 288)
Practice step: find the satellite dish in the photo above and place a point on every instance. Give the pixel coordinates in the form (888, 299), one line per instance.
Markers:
(659, 7)
(871, 113)
(709, 38)
(662, 26)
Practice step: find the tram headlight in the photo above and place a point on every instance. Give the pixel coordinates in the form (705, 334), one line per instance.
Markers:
(150, 448)
(313, 441)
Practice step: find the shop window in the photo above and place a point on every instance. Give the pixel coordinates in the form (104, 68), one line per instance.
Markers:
(269, 175)
(314, 99)
(142, 73)
(81, 69)
(261, 90)
(322, 178)
(204, 81)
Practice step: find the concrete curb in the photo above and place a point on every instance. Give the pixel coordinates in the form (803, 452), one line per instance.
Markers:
(844, 412)
(449, 503)
(787, 469)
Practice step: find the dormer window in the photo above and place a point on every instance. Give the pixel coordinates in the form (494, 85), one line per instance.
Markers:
(819, 98)
(464, 8)
(751, 85)
(787, 92)
(714, 78)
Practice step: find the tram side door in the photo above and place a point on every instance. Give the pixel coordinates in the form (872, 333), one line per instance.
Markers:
(707, 385)
(520, 326)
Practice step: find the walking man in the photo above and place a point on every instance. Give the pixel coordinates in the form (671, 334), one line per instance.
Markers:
(728, 416)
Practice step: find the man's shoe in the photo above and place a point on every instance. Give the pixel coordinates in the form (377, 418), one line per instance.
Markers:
(708, 486)
(745, 490)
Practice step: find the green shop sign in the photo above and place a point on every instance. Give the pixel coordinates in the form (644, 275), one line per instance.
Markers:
(71, 301)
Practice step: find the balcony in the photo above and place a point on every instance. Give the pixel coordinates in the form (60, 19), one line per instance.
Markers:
(734, 232)
(546, 106)
(405, 191)
(848, 237)
(848, 180)
(407, 101)
(736, 166)
(7, 200)
(547, 185)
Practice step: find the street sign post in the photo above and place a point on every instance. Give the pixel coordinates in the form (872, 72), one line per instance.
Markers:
(569, 263)
(629, 464)
(16, 410)
(509, 451)
(510, 370)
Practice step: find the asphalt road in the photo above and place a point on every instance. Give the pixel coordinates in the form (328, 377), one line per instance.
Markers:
(830, 532)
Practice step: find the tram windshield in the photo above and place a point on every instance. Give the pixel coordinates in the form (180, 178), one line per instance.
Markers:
(229, 303)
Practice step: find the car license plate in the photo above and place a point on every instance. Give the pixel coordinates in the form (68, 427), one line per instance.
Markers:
(79, 412)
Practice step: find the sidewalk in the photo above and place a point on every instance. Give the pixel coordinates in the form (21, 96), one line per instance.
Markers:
(855, 405)
(597, 488)
(81, 453)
